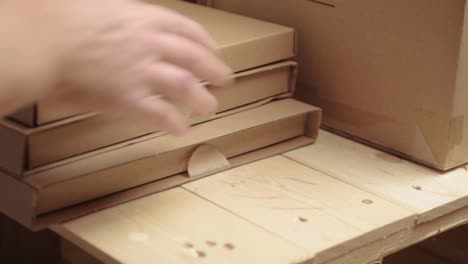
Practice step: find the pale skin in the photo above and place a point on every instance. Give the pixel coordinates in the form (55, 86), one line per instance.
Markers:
(111, 56)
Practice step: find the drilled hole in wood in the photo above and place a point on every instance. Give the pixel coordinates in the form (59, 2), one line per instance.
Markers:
(188, 245)
(229, 246)
(201, 254)
(417, 187)
(210, 243)
(367, 201)
(197, 253)
(301, 219)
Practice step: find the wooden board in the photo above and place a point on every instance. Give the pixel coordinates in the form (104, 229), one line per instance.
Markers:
(342, 203)
(303, 205)
(424, 191)
(176, 227)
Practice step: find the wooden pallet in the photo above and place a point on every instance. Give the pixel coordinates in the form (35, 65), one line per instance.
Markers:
(333, 202)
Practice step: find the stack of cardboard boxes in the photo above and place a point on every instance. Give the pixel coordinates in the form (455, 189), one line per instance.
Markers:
(57, 162)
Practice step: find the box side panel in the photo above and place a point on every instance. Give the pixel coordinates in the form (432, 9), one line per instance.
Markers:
(314, 120)
(459, 126)
(381, 70)
(13, 151)
(17, 200)
(262, 51)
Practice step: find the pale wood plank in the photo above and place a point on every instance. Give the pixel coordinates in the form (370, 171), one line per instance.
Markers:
(394, 243)
(176, 226)
(422, 190)
(305, 206)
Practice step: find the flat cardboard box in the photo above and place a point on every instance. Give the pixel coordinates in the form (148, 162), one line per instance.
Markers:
(263, 43)
(37, 200)
(29, 148)
(390, 73)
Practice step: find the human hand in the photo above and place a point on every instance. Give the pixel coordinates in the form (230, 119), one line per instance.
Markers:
(128, 57)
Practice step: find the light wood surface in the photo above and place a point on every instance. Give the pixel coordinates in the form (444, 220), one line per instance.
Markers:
(332, 202)
(305, 206)
(178, 227)
(424, 191)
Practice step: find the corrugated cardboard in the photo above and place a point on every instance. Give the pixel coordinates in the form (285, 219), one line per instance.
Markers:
(28, 148)
(391, 73)
(242, 137)
(263, 43)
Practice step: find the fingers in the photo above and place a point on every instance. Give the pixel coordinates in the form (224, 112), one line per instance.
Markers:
(195, 58)
(182, 87)
(164, 116)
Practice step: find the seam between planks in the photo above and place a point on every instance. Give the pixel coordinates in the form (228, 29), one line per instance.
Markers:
(404, 227)
(332, 175)
(309, 260)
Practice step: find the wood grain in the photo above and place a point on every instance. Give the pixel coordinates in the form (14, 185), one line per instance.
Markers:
(302, 205)
(177, 227)
(427, 192)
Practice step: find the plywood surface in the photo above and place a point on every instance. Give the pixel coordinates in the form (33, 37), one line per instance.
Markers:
(305, 206)
(332, 202)
(178, 227)
(424, 191)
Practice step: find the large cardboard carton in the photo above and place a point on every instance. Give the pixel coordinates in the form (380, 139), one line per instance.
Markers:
(263, 43)
(59, 191)
(26, 148)
(390, 73)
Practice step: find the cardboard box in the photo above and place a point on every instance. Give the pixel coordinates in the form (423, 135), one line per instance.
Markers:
(390, 73)
(263, 43)
(37, 199)
(29, 148)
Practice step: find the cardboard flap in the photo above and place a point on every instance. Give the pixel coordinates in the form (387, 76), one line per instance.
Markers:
(25, 116)
(207, 160)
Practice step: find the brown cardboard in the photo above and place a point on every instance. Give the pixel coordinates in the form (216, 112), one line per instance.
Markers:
(263, 43)
(82, 209)
(265, 130)
(28, 148)
(390, 73)
(206, 160)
